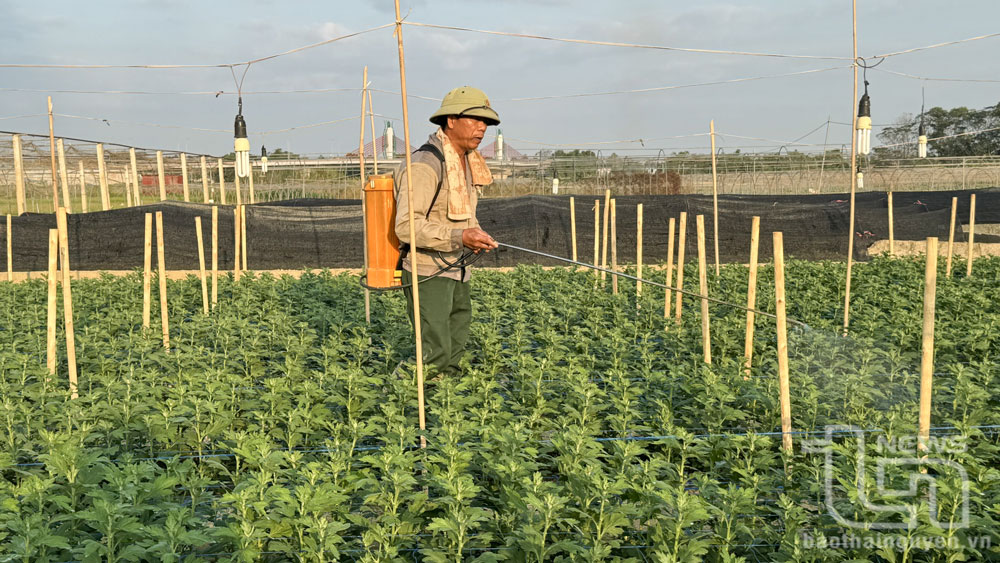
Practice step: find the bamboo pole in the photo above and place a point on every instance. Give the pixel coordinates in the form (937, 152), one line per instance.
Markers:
(147, 267)
(614, 245)
(779, 305)
(638, 253)
(751, 294)
(128, 187)
(201, 264)
(184, 177)
(160, 176)
(361, 169)
(137, 193)
(681, 243)
(671, 229)
(50, 338)
(204, 179)
(102, 174)
(238, 188)
(19, 194)
(715, 198)
(572, 224)
(892, 231)
(236, 243)
(854, 163)
(215, 255)
(604, 248)
(52, 154)
(597, 235)
(706, 338)
(62, 224)
(10, 250)
(250, 190)
(972, 235)
(161, 263)
(243, 236)
(927, 349)
(371, 121)
(222, 183)
(951, 236)
(417, 327)
(83, 189)
(63, 180)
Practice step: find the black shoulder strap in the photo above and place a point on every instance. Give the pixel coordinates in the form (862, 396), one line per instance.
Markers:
(427, 147)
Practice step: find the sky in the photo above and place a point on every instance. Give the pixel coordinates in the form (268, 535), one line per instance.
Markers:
(183, 113)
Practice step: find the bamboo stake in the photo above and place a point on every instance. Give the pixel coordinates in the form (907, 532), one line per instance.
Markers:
(681, 243)
(215, 255)
(159, 176)
(972, 235)
(854, 163)
(597, 235)
(706, 339)
(184, 177)
(250, 190)
(715, 198)
(927, 349)
(671, 229)
(161, 263)
(604, 248)
(52, 154)
(204, 179)
(137, 193)
(236, 243)
(83, 189)
(951, 236)
(243, 236)
(364, 212)
(238, 188)
(415, 292)
(201, 264)
(147, 267)
(10, 250)
(128, 187)
(371, 121)
(638, 253)
(50, 338)
(779, 305)
(892, 231)
(102, 174)
(19, 173)
(222, 183)
(63, 180)
(572, 224)
(614, 246)
(63, 227)
(751, 294)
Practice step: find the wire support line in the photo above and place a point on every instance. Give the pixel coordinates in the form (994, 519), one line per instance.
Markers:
(937, 79)
(627, 45)
(22, 116)
(206, 130)
(781, 143)
(218, 65)
(673, 87)
(937, 45)
(963, 134)
(108, 144)
(641, 141)
(653, 283)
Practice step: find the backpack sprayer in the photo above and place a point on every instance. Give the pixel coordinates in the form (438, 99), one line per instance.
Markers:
(385, 258)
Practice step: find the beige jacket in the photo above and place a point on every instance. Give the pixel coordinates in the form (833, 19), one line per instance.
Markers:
(435, 232)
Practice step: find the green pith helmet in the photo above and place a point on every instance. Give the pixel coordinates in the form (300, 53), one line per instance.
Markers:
(465, 102)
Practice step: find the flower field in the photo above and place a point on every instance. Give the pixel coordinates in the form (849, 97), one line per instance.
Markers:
(586, 426)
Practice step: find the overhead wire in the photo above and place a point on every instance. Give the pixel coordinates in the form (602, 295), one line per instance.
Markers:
(936, 79)
(937, 45)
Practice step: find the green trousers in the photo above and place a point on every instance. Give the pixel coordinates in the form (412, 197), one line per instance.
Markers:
(445, 316)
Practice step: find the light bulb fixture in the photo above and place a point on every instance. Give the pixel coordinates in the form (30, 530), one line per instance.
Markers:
(921, 132)
(865, 123)
(263, 160)
(861, 179)
(241, 144)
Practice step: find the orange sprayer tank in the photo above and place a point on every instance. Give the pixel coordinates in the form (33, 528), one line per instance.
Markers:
(380, 222)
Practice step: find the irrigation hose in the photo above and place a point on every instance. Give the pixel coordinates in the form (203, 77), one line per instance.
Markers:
(653, 283)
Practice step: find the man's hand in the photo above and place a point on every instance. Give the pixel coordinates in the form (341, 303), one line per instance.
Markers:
(477, 239)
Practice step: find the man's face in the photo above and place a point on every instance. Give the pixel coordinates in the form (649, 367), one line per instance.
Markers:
(465, 133)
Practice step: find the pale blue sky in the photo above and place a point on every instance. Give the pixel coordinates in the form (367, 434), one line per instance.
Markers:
(780, 109)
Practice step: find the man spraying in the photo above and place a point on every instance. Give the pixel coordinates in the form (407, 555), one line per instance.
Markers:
(448, 174)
